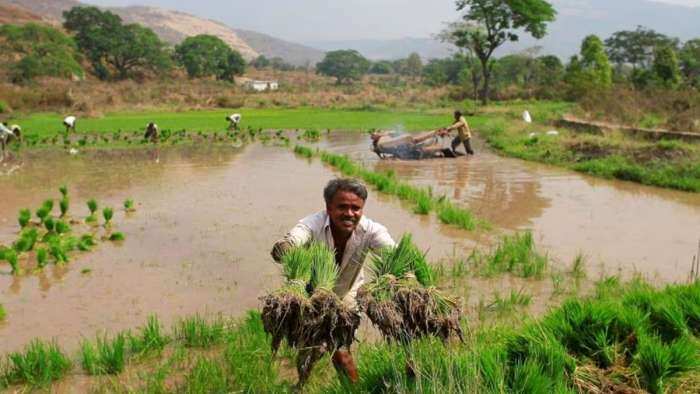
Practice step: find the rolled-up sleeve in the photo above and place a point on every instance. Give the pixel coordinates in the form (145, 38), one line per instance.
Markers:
(299, 235)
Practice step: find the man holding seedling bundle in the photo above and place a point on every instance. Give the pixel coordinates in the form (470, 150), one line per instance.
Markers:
(343, 228)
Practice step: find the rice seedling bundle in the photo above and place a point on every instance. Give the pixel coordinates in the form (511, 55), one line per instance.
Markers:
(305, 311)
(63, 205)
(107, 213)
(129, 205)
(401, 299)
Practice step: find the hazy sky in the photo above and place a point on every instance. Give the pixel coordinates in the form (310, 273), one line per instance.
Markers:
(326, 20)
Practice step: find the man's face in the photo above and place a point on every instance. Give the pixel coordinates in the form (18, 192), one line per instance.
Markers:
(345, 211)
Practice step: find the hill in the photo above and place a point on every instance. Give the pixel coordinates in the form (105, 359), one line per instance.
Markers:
(390, 49)
(296, 54)
(13, 14)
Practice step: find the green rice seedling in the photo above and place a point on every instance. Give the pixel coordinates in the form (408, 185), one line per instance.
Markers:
(3, 314)
(198, 333)
(116, 236)
(85, 271)
(450, 214)
(62, 227)
(304, 151)
(150, 337)
(50, 225)
(207, 376)
(536, 344)
(509, 303)
(105, 357)
(654, 364)
(58, 251)
(63, 204)
(92, 206)
(25, 215)
(38, 366)
(424, 205)
(667, 318)
(311, 135)
(64, 190)
(42, 213)
(107, 214)
(48, 204)
(557, 283)
(26, 241)
(11, 257)
(517, 255)
(578, 268)
(41, 257)
(129, 205)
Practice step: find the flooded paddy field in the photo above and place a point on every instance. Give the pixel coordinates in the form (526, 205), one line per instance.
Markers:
(199, 240)
(206, 218)
(618, 226)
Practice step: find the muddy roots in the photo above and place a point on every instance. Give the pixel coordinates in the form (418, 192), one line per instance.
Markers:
(403, 311)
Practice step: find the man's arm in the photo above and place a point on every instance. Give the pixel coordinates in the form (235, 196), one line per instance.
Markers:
(297, 236)
(381, 238)
(457, 125)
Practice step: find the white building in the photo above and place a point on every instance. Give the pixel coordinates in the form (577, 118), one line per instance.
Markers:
(261, 86)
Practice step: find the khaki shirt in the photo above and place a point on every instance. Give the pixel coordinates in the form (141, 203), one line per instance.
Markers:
(368, 235)
(462, 128)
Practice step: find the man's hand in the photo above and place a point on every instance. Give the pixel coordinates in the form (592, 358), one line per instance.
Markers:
(279, 249)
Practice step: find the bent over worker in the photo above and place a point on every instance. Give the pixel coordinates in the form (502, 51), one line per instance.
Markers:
(344, 229)
(464, 133)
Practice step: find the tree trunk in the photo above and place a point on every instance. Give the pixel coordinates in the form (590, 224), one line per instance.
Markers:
(486, 72)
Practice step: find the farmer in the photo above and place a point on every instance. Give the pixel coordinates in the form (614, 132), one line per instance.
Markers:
(409, 147)
(464, 133)
(234, 121)
(70, 122)
(343, 228)
(6, 135)
(152, 134)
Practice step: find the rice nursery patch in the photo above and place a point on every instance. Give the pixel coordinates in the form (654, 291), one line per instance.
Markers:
(197, 332)
(305, 312)
(40, 364)
(401, 299)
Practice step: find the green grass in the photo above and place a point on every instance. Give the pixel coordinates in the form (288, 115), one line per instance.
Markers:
(48, 124)
(39, 365)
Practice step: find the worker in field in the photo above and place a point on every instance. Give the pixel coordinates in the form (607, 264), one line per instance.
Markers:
(464, 133)
(152, 134)
(406, 146)
(6, 136)
(343, 228)
(234, 121)
(70, 123)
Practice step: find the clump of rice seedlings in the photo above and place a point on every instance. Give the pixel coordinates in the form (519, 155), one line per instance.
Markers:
(3, 314)
(311, 135)
(450, 214)
(86, 242)
(42, 213)
(207, 376)
(63, 189)
(105, 356)
(150, 338)
(509, 303)
(578, 268)
(63, 205)
(62, 227)
(517, 255)
(658, 363)
(304, 151)
(92, 206)
(116, 236)
(198, 333)
(38, 366)
(129, 205)
(27, 240)
(25, 215)
(11, 256)
(41, 257)
(107, 214)
(58, 250)
(424, 204)
(401, 300)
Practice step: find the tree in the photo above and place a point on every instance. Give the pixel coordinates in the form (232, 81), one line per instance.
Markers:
(107, 42)
(689, 58)
(490, 23)
(41, 51)
(206, 55)
(636, 47)
(665, 67)
(260, 62)
(590, 71)
(414, 65)
(382, 67)
(344, 65)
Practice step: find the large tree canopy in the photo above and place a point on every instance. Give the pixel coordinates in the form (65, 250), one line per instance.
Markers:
(206, 56)
(636, 47)
(490, 23)
(41, 51)
(115, 49)
(344, 65)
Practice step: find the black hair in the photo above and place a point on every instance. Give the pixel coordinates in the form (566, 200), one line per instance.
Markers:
(346, 185)
(458, 114)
